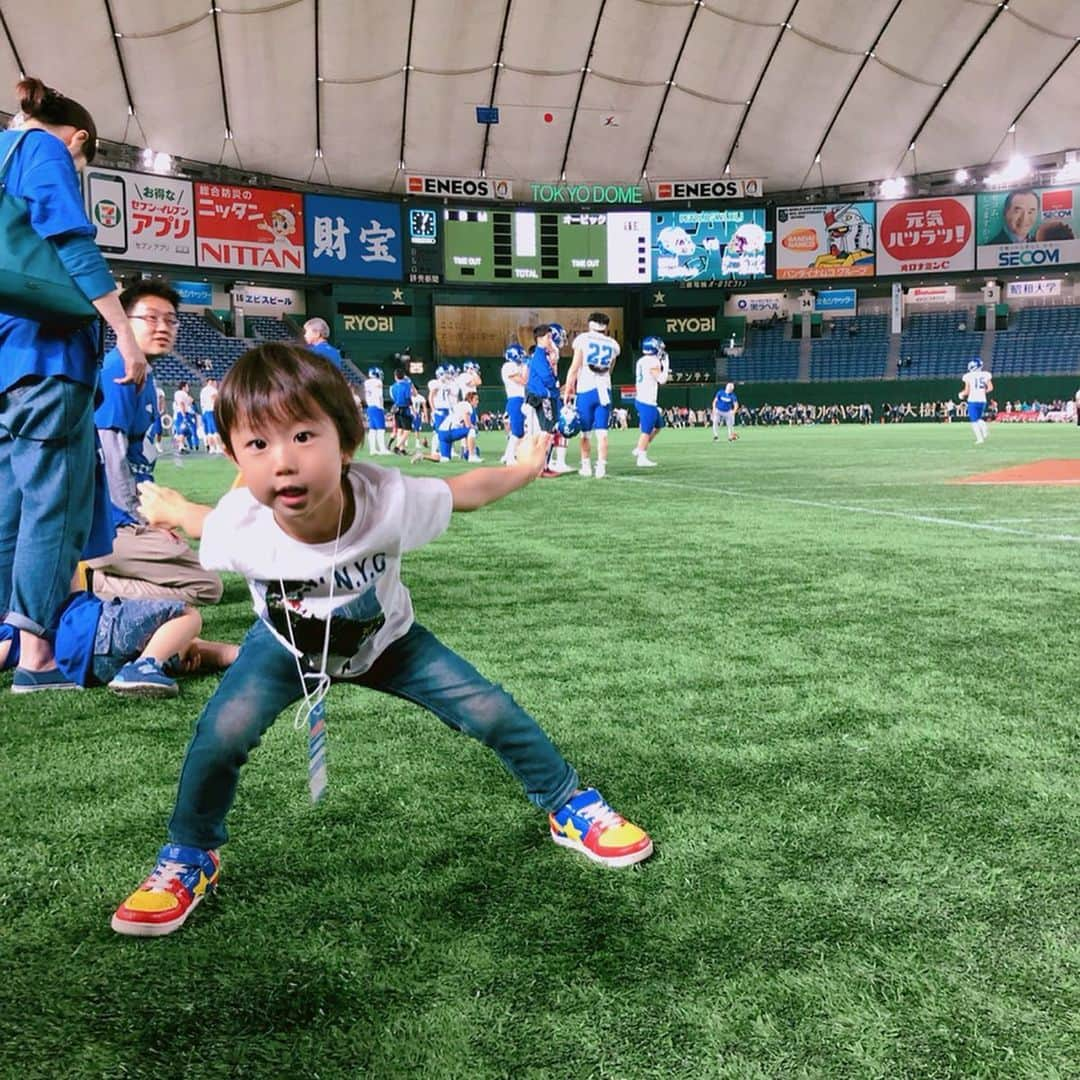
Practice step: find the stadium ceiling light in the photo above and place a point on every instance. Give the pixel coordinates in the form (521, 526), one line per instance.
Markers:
(147, 158)
(162, 163)
(893, 188)
(961, 176)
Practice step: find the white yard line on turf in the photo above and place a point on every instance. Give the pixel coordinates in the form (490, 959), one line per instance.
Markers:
(923, 519)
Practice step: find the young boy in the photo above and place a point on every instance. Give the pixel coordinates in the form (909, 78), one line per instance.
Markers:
(320, 540)
(132, 646)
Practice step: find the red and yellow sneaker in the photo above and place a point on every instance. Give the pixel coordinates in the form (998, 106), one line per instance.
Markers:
(176, 885)
(589, 825)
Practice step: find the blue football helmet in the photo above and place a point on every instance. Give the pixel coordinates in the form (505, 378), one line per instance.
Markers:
(440, 372)
(569, 423)
(975, 365)
(515, 354)
(451, 371)
(374, 372)
(558, 334)
(653, 346)
(470, 365)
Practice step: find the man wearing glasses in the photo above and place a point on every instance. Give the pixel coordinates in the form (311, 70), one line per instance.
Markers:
(146, 561)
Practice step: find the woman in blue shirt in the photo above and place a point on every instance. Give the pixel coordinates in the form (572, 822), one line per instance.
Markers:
(47, 381)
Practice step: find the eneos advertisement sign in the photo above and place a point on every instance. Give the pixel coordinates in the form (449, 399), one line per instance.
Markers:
(832, 241)
(926, 236)
(1028, 227)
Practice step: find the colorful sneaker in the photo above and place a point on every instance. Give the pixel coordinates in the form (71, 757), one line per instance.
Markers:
(589, 825)
(182, 877)
(143, 678)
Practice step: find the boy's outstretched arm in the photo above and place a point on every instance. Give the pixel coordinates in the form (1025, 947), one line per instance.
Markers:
(165, 506)
(478, 487)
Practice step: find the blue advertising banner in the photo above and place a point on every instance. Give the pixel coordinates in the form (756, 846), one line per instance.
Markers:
(836, 300)
(356, 238)
(196, 293)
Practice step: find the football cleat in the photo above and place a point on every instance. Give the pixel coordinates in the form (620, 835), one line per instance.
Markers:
(176, 886)
(589, 825)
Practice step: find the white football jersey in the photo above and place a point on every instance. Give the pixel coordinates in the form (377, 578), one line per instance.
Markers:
(208, 398)
(977, 383)
(651, 372)
(460, 415)
(444, 394)
(599, 354)
(182, 401)
(373, 393)
(509, 369)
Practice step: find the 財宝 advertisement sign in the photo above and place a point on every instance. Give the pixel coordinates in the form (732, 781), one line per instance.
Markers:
(354, 238)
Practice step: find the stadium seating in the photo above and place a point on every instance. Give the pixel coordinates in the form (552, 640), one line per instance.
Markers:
(769, 356)
(932, 346)
(1039, 340)
(265, 328)
(842, 354)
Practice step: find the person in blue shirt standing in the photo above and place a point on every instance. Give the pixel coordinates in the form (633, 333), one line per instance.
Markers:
(316, 332)
(724, 407)
(145, 561)
(401, 393)
(47, 382)
(542, 387)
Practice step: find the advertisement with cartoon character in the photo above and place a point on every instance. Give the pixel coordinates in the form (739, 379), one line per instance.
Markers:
(245, 228)
(830, 241)
(709, 245)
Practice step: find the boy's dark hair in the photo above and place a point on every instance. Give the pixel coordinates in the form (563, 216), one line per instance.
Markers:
(399, 373)
(277, 382)
(145, 287)
(601, 318)
(48, 106)
(540, 331)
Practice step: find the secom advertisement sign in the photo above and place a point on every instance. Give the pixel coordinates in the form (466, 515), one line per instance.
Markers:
(1028, 227)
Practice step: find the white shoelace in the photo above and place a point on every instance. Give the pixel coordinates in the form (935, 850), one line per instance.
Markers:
(163, 873)
(602, 814)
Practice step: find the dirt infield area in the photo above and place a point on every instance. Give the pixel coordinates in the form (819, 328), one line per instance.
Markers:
(1049, 471)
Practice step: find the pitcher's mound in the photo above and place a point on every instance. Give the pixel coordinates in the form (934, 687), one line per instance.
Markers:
(1050, 471)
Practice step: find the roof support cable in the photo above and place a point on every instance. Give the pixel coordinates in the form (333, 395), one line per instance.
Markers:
(581, 86)
(494, 83)
(757, 86)
(667, 90)
(847, 93)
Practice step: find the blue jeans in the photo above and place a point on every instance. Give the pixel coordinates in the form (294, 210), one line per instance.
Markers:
(46, 505)
(417, 667)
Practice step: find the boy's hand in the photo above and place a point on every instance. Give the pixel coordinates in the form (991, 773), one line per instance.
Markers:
(161, 505)
(532, 454)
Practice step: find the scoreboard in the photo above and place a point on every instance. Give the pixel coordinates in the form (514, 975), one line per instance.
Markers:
(525, 246)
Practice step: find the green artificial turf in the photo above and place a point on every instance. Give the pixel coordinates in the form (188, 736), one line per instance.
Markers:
(840, 692)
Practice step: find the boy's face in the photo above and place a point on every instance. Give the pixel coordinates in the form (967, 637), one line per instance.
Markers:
(294, 467)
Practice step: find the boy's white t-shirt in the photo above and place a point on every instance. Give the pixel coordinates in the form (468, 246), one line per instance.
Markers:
(371, 607)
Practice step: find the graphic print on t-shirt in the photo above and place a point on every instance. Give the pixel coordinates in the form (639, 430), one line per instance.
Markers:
(351, 624)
